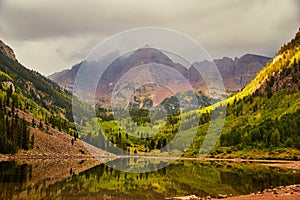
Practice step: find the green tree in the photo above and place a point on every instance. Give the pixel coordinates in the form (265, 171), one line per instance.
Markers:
(275, 138)
(152, 145)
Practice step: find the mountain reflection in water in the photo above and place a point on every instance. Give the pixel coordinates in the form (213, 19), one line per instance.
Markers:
(35, 181)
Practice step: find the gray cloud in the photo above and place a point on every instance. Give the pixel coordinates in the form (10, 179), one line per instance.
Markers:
(49, 35)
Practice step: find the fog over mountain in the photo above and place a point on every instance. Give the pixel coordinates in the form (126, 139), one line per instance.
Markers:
(236, 73)
(51, 35)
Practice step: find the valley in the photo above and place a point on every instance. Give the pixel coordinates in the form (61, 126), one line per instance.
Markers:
(248, 113)
(59, 154)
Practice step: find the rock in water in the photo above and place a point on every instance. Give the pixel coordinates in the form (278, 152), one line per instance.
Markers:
(222, 196)
(191, 197)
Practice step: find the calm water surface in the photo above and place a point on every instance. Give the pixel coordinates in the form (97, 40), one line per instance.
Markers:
(44, 180)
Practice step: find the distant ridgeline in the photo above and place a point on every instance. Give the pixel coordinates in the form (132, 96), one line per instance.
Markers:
(24, 90)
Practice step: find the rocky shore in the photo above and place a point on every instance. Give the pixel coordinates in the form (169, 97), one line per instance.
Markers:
(291, 192)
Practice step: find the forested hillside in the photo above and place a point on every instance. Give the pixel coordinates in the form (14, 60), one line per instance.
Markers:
(265, 116)
(36, 87)
(28, 91)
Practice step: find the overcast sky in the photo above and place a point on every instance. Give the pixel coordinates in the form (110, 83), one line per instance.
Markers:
(51, 35)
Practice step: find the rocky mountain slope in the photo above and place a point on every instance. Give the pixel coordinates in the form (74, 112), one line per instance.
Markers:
(66, 78)
(6, 50)
(236, 73)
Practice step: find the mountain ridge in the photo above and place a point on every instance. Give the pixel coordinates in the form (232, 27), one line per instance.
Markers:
(236, 72)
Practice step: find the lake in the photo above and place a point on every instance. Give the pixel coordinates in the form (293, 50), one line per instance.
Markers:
(85, 179)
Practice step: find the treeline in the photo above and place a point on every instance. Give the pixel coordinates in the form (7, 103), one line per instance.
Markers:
(141, 141)
(283, 132)
(14, 131)
(140, 116)
(268, 133)
(124, 141)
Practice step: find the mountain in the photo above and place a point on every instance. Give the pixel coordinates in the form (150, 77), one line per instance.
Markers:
(236, 73)
(263, 119)
(34, 111)
(7, 51)
(239, 72)
(66, 78)
(32, 85)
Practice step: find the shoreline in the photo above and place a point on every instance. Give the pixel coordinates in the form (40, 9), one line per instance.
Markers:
(291, 192)
(4, 157)
(50, 156)
(288, 164)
